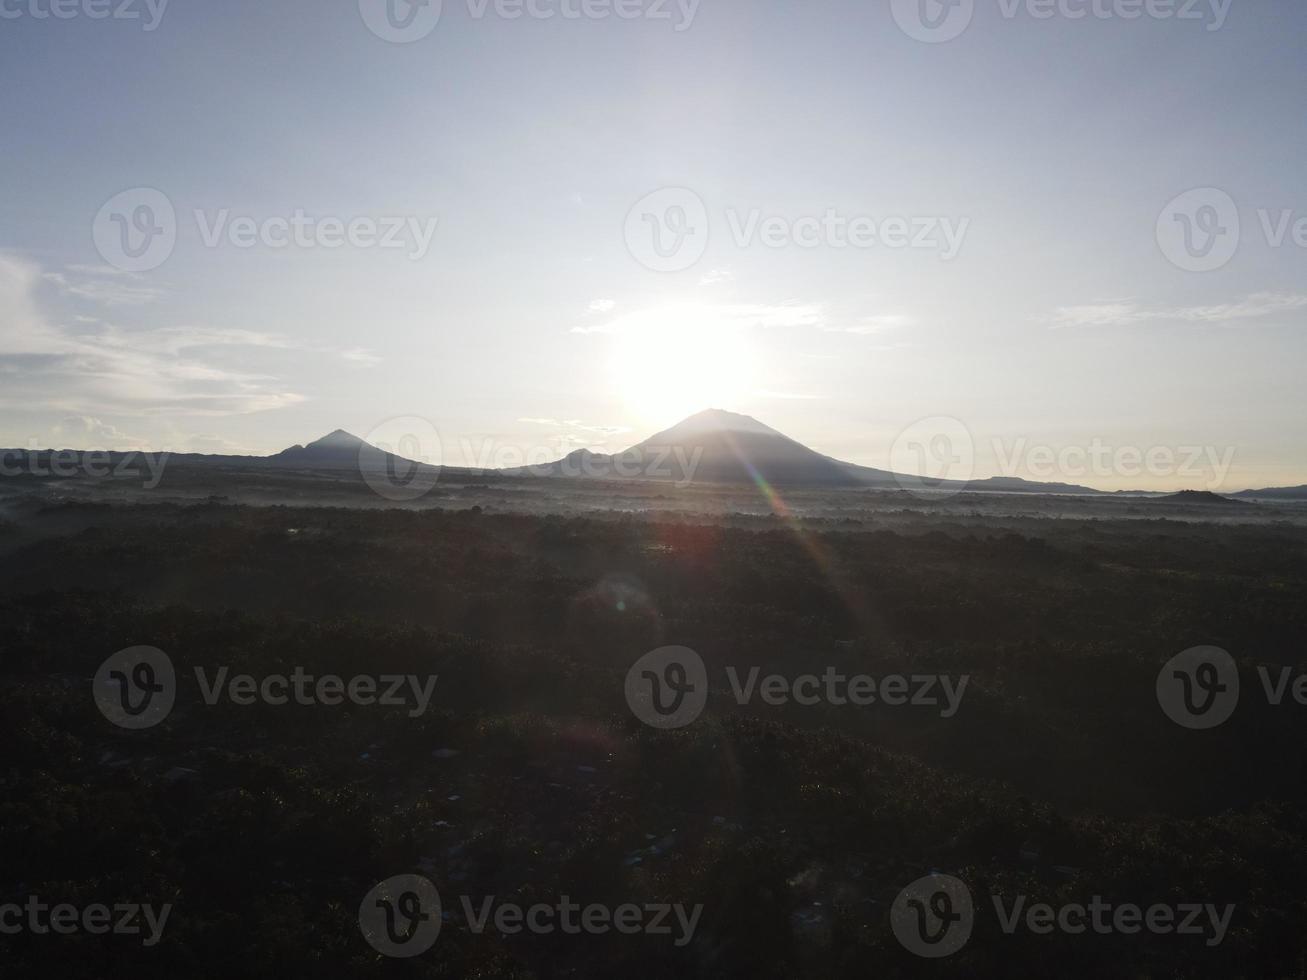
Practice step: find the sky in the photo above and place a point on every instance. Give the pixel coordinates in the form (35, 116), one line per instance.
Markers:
(1071, 234)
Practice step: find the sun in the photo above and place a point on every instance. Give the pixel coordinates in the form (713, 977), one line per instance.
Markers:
(673, 361)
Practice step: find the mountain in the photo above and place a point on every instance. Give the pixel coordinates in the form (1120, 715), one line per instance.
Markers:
(715, 446)
(710, 447)
(1016, 484)
(340, 450)
(1199, 497)
(1273, 493)
(334, 450)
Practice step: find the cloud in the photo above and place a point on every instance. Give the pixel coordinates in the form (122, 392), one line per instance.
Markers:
(361, 355)
(601, 306)
(714, 276)
(702, 316)
(1128, 312)
(575, 434)
(88, 430)
(868, 325)
(790, 396)
(111, 288)
(578, 425)
(104, 369)
(211, 445)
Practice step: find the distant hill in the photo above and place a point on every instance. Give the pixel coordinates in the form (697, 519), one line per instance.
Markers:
(335, 450)
(1015, 484)
(714, 446)
(1199, 497)
(1273, 493)
(710, 447)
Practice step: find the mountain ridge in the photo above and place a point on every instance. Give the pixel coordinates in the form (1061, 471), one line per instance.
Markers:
(713, 446)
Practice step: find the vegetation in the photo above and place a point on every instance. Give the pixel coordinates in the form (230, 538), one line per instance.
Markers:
(528, 777)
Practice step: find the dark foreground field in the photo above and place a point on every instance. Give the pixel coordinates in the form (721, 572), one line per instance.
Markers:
(1058, 778)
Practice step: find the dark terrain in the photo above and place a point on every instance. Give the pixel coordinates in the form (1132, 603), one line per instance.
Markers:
(1059, 777)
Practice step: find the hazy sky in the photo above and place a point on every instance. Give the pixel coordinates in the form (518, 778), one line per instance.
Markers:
(1045, 288)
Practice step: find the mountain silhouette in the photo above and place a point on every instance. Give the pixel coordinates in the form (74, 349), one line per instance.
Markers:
(340, 450)
(712, 446)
